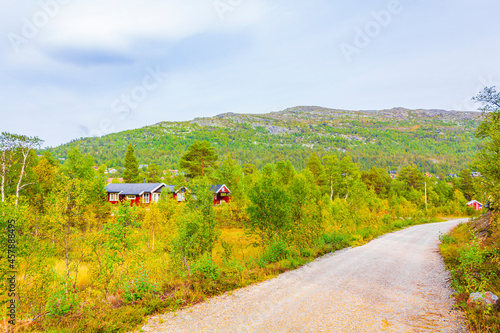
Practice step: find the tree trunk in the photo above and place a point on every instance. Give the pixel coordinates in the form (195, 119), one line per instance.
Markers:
(153, 243)
(21, 175)
(66, 246)
(331, 188)
(186, 263)
(4, 162)
(69, 211)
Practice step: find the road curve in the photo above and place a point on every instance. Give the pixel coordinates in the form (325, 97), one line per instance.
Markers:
(396, 283)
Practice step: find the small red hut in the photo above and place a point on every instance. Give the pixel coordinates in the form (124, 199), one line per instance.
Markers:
(475, 204)
(221, 194)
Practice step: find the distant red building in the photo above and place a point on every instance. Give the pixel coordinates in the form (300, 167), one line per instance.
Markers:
(180, 194)
(145, 193)
(393, 174)
(221, 194)
(475, 204)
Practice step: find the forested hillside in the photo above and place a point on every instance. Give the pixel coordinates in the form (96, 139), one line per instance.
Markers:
(435, 141)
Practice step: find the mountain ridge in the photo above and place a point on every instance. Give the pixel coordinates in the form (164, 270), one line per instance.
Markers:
(306, 109)
(432, 139)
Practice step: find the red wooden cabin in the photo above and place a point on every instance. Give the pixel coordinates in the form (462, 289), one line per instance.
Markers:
(179, 195)
(475, 204)
(145, 193)
(141, 193)
(221, 194)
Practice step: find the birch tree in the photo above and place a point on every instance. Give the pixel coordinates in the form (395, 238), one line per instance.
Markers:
(25, 145)
(332, 173)
(7, 144)
(10, 146)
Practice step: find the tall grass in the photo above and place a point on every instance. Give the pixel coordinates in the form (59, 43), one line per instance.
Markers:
(474, 267)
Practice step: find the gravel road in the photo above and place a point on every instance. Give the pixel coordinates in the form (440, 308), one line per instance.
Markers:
(396, 283)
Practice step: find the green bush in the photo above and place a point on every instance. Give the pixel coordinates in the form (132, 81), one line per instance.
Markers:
(139, 288)
(386, 219)
(467, 275)
(293, 263)
(398, 224)
(277, 251)
(62, 301)
(306, 252)
(205, 268)
(331, 242)
(366, 233)
(333, 238)
(447, 239)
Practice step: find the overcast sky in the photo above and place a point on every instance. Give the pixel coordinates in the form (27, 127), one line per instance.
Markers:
(73, 68)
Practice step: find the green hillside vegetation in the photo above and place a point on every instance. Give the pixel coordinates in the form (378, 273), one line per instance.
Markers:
(435, 141)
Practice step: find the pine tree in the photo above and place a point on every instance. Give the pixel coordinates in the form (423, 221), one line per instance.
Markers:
(466, 184)
(153, 174)
(199, 160)
(286, 171)
(314, 165)
(377, 179)
(412, 177)
(131, 173)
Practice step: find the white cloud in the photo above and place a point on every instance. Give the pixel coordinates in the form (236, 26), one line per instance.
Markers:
(117, 24)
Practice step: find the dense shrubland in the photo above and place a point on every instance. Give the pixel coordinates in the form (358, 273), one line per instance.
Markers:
(471, 252)
(86, 265)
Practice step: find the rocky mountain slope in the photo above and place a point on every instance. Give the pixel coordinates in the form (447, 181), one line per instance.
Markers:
(436, 141)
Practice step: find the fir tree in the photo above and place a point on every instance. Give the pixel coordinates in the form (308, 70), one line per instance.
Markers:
(131, 173)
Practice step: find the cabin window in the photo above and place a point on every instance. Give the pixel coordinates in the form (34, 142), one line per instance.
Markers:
(223, 194)
(156, 197)
(180, 197)
(130, 197)
(146, 197)
(114, 197)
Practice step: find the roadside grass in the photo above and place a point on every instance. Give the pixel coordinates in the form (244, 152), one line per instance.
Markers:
(473, 263)
(237, 262)
(236, 244)
(83, 276)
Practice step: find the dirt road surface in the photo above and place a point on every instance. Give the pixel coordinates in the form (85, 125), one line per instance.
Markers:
(396, 283)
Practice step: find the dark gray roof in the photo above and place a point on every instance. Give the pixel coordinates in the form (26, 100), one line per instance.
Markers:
(171, 189)
(134, 189)
(217, 188)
